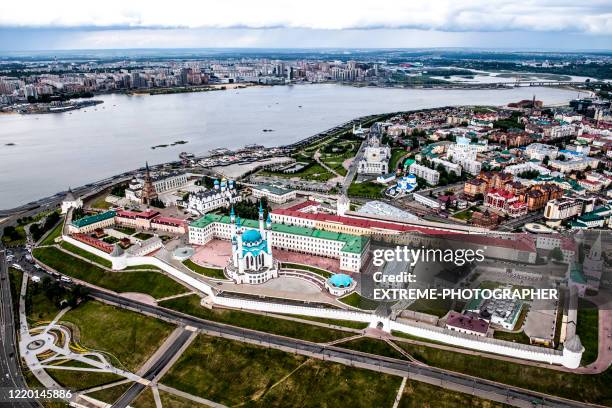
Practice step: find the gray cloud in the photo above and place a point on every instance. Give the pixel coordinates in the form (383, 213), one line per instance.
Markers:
(589, 16)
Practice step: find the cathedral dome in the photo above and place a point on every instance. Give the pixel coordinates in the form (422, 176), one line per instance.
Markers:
(251, 236)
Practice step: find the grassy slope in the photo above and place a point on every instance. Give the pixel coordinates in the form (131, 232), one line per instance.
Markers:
(191, 305)
(151, 283)
(216, 273)
(129, 336)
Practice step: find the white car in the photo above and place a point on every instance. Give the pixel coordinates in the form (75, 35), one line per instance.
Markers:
(17, 266)
(35, 279)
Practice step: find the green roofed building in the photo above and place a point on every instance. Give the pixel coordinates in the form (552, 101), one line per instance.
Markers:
(93, 222)
(349, 249)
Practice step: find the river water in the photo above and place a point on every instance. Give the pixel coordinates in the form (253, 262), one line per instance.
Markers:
(55, 151)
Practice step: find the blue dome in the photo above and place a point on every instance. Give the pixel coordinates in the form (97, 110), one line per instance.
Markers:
(251, 236)
(216, 181)
(341, 280)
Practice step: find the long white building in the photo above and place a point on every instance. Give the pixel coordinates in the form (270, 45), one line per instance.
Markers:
(350, 250)
(449, 166)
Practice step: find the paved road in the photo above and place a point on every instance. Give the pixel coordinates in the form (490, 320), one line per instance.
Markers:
(404, 368)
(154, 370)
(12, 377)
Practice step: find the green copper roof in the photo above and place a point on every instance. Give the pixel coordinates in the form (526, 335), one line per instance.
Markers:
(93, 219)
(353, 243)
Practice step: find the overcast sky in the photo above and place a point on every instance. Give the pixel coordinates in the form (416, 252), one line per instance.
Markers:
(84, 24)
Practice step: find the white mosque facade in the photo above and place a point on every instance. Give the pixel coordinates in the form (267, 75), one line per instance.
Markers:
(251, 260)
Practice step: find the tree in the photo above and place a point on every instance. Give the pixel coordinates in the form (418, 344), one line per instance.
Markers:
(157, 203)
(556, 254)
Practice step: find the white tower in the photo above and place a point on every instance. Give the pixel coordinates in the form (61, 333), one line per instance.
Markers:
(343, 205)
(261, 219)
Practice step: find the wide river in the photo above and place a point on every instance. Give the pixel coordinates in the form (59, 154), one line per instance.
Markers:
(55, 151)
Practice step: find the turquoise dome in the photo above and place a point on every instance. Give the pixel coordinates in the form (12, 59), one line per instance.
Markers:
(341, 280)
(251, 236)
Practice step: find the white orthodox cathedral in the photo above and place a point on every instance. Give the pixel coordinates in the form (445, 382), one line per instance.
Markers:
(252, 260)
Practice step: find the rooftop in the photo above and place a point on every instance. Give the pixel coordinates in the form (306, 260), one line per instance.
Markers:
(272, 189)
(353, 243)
(93, 219)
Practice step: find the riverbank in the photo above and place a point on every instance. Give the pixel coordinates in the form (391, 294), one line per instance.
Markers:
(71, 149)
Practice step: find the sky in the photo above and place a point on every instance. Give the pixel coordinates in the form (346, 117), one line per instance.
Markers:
(508, 24)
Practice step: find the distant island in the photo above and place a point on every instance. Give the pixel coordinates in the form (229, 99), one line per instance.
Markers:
(178, 142)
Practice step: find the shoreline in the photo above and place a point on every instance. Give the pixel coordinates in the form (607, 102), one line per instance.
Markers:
(292, 146)
(34, 199)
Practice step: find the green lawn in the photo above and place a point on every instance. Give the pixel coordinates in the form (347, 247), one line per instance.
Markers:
(332, 385)
(228, 372)
(101, 204)
(356, 300)
(586, 388)
(125, 230)
(39, 306)
(142, 267)
(322, 272)
(436, 307)
(191, 305)
(396, 154)
(367, 189)
(233, 373)
(372, 346)
(130, 337)
(143, 236)
(335, 160)
(151, 283)
(15, 279)
(202, 270)
(588, 330)
(336, 322)
(422, 395)
(80, 380)
(86, 254)
(110, 395)
(464, 215)
(173, 401)
(145, 399)
(18, 239)
(56, 232)
(314, 172)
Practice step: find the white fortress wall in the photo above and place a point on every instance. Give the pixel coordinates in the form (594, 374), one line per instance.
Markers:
(123, 261)
(339, 314)
(565, 358)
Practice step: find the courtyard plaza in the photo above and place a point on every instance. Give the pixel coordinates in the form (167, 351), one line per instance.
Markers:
(217, 252)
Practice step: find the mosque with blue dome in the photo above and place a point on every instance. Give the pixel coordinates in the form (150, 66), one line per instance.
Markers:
(252, 260)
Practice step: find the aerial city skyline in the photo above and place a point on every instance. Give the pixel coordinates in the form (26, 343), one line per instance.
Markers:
(306, 205)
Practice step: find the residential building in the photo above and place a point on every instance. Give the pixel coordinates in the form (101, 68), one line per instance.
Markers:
(432, 177)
